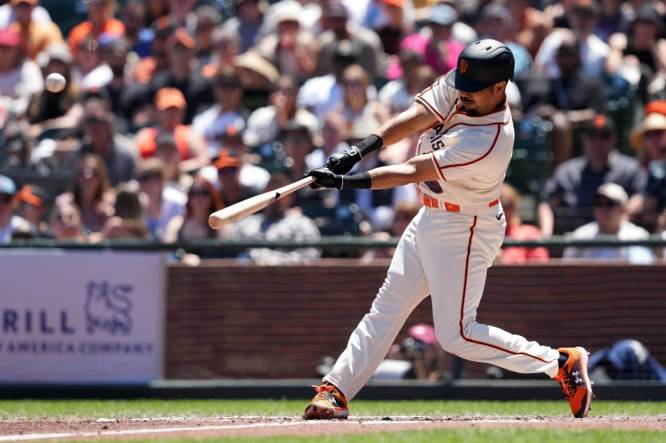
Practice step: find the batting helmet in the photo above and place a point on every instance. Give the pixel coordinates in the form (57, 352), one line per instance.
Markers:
(481, 64)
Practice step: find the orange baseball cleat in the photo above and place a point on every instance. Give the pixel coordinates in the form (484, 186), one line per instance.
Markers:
(575, 383)
(327, 404)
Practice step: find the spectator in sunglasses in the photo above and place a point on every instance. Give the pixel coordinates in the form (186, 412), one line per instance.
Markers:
(568, 195)
(610, 220)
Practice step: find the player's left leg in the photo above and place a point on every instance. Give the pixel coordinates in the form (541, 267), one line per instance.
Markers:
(456, 271)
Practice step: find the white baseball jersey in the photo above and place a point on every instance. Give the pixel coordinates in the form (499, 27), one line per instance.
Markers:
(471, 153)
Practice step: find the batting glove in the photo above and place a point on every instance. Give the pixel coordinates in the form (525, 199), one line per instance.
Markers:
(324, 178)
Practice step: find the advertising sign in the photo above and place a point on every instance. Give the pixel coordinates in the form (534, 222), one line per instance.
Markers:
(81, 317)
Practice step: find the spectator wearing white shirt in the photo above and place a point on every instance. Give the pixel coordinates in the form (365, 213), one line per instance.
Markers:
(610, 214)
(20, 78)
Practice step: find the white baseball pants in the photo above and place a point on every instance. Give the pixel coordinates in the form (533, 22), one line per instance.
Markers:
(446, 255)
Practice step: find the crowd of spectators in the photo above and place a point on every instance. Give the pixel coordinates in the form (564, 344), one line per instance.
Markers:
(176, 108)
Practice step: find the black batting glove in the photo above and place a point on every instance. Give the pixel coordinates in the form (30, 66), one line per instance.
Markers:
(324, 178)
(343, 162)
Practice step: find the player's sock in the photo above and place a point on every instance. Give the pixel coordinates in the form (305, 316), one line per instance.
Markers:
(562, 359)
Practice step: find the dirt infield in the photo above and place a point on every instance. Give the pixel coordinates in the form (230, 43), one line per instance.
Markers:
(171, 427)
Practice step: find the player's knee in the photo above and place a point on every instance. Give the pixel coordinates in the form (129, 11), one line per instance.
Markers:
(448, 338)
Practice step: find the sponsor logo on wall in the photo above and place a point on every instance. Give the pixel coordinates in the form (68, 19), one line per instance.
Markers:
(74, 328)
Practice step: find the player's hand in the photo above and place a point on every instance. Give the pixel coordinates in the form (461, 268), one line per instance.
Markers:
(324, 178)
(343, 162)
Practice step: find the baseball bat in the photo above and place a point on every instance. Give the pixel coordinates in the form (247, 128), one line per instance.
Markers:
(249, 206)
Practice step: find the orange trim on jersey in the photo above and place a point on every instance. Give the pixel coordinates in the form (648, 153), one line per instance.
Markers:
(430, 108)
(462, 305)
(493, 203)
(439, 168)
(483, 156)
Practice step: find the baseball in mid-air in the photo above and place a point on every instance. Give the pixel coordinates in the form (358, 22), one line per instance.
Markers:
(55, 82)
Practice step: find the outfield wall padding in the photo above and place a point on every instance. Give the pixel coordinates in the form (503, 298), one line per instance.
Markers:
(229, 320)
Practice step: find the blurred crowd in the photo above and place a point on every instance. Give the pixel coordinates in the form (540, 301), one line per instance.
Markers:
(176, 108)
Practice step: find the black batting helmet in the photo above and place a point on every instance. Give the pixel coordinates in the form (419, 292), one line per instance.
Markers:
(481, 64)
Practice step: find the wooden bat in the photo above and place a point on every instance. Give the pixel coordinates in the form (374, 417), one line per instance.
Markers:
(249, 206)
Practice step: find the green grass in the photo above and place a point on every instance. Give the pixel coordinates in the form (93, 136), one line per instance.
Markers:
(456, 436)
(62, 409)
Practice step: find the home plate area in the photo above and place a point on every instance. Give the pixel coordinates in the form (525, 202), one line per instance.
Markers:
(172, 427)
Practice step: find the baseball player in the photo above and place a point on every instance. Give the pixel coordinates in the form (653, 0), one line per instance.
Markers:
(448, 247)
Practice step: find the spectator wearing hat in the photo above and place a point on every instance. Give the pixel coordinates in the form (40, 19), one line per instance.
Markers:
(100, 22)
(593, 51)
(258, 76)
(227, 114)
(610, 220)
(517, 230)
(278, 222)
(247, 22)
(569, 193)
(170, 106)
(639, 54)
(202, 200)
(32, 207)
(90, 71)
(648, 137)
(291, 48)
(264, 124)
(232, 190)
(184, 74)
(102, 138)
(650, 141)
(48, 110)
(8, 222)
(20, 78)
(365, 43)
(90, 192)
(36, 36)
(161, 203)
(226, 47)
(442, 50)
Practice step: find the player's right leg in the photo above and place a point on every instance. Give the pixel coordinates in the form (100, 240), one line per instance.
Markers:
(403, 289)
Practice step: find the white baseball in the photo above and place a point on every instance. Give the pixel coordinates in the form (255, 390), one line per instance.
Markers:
(55, 82)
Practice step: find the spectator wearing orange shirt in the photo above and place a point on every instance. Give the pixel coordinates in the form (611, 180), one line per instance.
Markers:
(36, 37)
(100, 21)
(170, 105)
(516, 230)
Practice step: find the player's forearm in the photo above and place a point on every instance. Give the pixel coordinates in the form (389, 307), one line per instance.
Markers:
(415, 119)
(415, 170)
